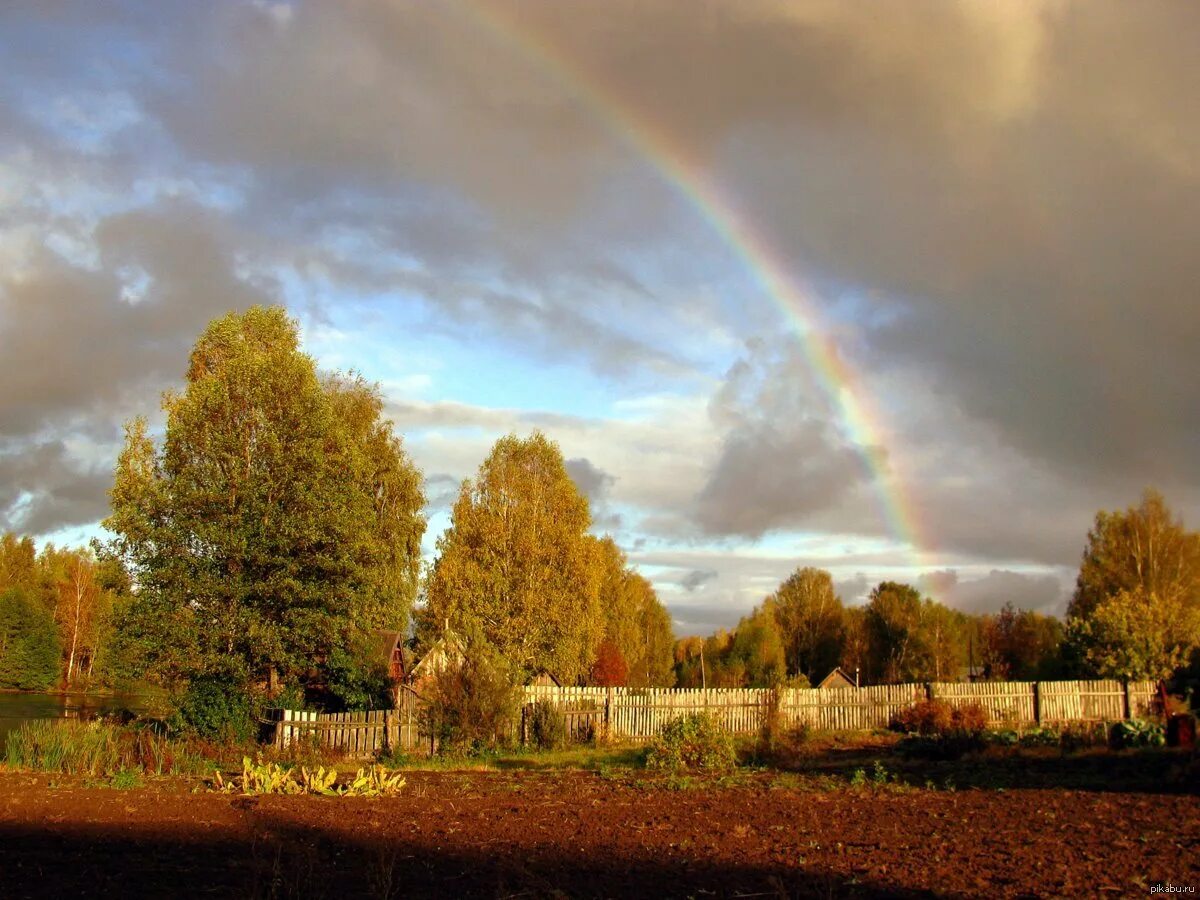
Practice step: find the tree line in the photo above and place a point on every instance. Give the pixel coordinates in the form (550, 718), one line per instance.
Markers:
(275, 528)
(1135, 613)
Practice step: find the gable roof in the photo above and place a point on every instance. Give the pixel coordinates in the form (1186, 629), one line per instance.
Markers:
(836, 679)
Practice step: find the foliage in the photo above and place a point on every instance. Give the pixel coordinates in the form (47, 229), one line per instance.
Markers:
(217, 709)
(1136, 635)
(893, 619)
(758, 648)
(517, 564)
(1021, 645)
(260, 777)
(1134, 733)
(810, 616)
(635, 621)
(98, 749)
(1143, 550)
(473, 706)
(547, 728)
(695, 741)
(610, 668)
(937, 731)
(356, 678)
(280, 514)
(923, 717)
(29, 644)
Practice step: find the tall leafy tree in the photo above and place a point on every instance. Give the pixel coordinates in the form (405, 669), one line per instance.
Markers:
(635, 620)
(893, 625)
(1135, 634)
(280, 518)
(1136, 607)
(517, 563)
(1021, 645)
(810, 615)
(1143, 548)
(29, 646)
(758, 647)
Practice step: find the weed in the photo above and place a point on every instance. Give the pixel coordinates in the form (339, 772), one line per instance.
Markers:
(695, 741)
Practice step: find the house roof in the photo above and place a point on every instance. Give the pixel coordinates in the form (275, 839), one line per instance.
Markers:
(447, 646)
(835, 679)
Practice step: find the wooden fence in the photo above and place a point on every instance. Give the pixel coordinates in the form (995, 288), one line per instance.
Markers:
(639, 713)
(629, 713)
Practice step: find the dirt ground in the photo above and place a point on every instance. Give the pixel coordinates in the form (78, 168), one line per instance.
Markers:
(579, 834)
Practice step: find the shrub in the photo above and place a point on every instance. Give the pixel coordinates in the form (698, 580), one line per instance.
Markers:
(924, 717)
(472, 706)
(217, 709)
(936, 731)
(695, 741)
(547, 728)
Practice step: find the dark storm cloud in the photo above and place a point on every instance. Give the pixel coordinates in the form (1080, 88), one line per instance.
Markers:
(697, 578)
(79, 353)
(1008, 197)
(1043, 593)
(42, 488)
(782, 458)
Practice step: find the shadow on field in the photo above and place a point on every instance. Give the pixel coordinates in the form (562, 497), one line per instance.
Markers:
(1147, 771)
(306, 863)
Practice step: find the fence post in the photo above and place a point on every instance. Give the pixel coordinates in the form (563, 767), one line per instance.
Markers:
(1128, 710)
(608, 705)
(387, 731)
(1037, 703)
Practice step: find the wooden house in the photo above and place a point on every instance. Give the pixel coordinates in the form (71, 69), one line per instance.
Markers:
(836, 679)
(449, 651)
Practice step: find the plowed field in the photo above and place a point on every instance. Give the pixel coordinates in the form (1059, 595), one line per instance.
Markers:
(577, 834)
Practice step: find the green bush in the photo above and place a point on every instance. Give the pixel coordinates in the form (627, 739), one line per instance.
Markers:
(217, 709)
(546, 726)
(471, 707)
(695, 741)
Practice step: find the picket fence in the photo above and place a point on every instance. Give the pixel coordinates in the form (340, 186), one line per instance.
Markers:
(619, 713)
(629, 713)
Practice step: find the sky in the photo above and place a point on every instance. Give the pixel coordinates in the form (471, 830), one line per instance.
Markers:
(903, 291)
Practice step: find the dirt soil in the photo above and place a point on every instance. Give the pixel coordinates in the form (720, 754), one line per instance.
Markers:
(577, 834)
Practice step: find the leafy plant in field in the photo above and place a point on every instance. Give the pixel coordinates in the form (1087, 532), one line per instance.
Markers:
(695, 741)
(1137, 733)
(271, 778)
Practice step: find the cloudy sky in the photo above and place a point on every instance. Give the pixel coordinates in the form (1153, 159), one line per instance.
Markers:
(652, 230)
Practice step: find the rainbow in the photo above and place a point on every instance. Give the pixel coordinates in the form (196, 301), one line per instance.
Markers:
(689, 178)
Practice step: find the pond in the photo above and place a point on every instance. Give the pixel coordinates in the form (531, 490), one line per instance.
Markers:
(16, 708)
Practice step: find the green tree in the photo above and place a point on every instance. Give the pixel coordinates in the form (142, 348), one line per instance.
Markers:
(810, 615)
(517, 564)
(634, 618)
(30, 651)
(1135, 634)
(280, 519)
(758, 648)
(893, 626)
(1145, 548)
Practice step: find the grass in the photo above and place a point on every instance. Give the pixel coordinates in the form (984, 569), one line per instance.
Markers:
(98, 750)
(599, 758)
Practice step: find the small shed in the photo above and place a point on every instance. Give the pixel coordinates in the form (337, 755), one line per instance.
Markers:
(836, 679)
(542, 678)
(390, 651)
